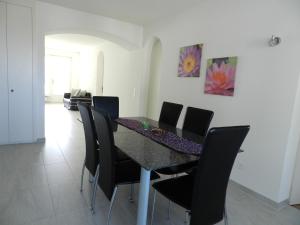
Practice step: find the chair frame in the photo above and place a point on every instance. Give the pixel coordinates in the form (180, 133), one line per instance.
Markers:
(91, 180)
(187, 212)
(116, 185)
(243, 130)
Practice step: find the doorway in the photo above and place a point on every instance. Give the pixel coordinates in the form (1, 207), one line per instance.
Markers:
(72, 62)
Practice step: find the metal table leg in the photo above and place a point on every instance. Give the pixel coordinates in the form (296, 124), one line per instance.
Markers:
(143, 197)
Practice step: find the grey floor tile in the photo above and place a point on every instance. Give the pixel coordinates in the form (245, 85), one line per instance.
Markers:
(46, 221)
(288, 215)
(75, 217)
(31, 176)
(67, 197)
(51, 153)
(26, 205)
(58, 173)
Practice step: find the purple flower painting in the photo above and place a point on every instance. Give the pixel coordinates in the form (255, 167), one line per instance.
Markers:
(220, 76)
(190, 61)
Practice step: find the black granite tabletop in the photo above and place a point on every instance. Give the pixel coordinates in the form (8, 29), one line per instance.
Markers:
(148, 153)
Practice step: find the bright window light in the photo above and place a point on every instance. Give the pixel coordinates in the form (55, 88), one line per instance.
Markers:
(58, 72)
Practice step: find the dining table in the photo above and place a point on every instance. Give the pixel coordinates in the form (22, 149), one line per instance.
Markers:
(151, 153)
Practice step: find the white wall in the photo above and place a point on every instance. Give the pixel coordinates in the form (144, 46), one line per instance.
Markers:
(266, 80)
(52, 19)
(122, 74)
(154, 79)
(295, 191)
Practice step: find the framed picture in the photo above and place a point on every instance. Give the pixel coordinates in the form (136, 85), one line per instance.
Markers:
(190, 61)
(220, 76)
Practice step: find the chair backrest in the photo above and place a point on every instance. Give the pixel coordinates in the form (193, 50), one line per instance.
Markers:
(220, 149)
(197, 120)
(170, 113)
(110, 104)
(91, 146)
(107, 155)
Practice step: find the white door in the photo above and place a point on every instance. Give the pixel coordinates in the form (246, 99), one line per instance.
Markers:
(3, 78)
(19, 58)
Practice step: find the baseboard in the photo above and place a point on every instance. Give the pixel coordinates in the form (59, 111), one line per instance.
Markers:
(41, 140)
(263, 199)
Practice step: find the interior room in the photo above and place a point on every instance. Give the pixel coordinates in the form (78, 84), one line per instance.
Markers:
(72, 61)
(149, 112)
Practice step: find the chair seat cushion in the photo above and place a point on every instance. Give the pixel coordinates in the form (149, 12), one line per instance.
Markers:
(178, 169)
(128, 172)
(178, 190)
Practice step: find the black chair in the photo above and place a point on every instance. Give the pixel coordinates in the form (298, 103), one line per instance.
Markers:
(203, 192)
(197, 120)
(91, 160)
(170, 113)
(110, 104)
(113, 172)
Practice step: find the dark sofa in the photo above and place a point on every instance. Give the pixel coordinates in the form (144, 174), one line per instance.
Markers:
(70, 102)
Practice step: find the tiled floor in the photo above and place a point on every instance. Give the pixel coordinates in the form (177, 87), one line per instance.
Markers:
(40, 186)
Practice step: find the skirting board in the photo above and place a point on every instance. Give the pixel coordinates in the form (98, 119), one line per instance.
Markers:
(261, 198)
(41, 140)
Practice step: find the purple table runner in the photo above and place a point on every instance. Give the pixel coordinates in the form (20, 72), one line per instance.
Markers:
(166, 138)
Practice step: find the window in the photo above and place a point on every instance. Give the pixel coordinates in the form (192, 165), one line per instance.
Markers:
(58, 74)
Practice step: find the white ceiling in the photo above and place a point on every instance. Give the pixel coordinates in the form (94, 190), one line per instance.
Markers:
(135, 11)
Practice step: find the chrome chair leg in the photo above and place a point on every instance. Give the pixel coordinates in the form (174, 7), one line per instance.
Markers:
(169, 210)
(91, 178)
(82, 174)
(111, 205)
(153, 207)
(169, 203)
(225, 216)
(131, 193)
(93, 200)
(187, 217)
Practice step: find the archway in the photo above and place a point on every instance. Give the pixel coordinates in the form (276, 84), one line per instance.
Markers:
(114, 74)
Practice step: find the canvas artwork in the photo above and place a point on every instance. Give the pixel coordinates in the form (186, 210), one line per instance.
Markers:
(190, 61)
(220, 76)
